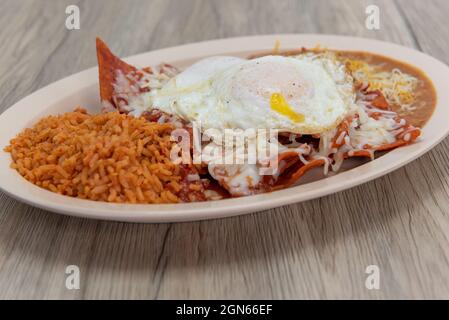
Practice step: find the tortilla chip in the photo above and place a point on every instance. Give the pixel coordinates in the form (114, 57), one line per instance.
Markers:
(294, 171)
(108, 65)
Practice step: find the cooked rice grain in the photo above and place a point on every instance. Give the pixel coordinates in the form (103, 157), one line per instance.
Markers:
(107, 157)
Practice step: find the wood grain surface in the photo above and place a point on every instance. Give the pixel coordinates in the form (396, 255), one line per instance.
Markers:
(315, 249)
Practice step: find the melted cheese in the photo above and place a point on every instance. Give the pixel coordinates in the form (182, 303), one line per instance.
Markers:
(127, 88)
(397, 86)
(371, 131)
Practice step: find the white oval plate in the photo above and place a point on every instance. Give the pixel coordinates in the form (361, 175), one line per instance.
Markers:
(82, 89)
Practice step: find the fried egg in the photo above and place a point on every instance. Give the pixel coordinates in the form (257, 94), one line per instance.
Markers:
(305, 94)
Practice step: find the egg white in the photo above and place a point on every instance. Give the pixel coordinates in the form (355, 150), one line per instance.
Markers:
(229, 92)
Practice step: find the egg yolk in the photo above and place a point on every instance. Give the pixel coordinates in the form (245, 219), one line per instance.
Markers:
(278, 104)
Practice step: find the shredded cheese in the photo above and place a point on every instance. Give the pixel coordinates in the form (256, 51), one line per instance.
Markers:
(397, 86)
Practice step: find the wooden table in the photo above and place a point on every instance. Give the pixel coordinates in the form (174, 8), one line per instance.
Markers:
(315, 249)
